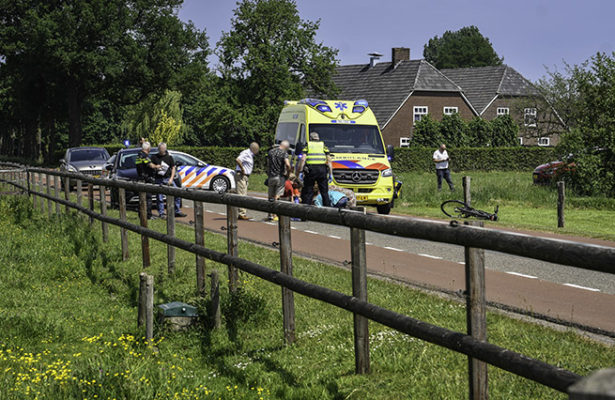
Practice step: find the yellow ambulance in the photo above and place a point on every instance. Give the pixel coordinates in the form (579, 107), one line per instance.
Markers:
(349, 129)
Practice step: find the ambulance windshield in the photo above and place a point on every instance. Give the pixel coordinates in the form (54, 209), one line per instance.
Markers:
(350, 138)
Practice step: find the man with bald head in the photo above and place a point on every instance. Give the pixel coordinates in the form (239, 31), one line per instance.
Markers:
(245, 165)
(278, 168)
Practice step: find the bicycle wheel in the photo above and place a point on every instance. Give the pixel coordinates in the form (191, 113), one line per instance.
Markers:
(453, 208)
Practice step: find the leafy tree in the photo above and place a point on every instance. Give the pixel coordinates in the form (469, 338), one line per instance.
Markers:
(466, 47)
(269, 55)
(454, 130)
(592, 139)
(158, 118)
(72, 52)
(504, 131)
(426, 133)
(479, 132)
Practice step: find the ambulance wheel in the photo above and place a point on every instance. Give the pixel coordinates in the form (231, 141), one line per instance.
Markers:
(384, 209)
(220, 184)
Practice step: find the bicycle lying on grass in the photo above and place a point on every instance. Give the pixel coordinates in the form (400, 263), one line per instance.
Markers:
(459, 209)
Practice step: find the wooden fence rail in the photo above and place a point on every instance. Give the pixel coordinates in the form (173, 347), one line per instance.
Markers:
(474, 238)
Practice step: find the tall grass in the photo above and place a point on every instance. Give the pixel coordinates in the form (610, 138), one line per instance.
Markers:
(68, 329)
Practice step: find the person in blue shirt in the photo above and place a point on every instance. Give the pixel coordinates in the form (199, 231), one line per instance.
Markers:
(338, 199)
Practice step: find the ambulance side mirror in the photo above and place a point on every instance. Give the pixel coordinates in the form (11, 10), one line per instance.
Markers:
(390, 152)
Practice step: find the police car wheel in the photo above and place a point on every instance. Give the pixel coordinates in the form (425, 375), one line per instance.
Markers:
(220, 184)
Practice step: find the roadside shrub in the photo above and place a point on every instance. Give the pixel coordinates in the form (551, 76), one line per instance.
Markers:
(454, 131)
(409, 159)
(426, 132)
(504, 131)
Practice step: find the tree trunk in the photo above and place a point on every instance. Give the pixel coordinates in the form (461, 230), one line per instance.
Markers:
(75, 101)
(29, 148)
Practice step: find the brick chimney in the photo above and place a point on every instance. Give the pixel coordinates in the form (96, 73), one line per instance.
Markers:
(399, 54)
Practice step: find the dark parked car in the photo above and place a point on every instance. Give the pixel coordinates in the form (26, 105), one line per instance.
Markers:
(85, 160)
(193, 173)
(545, 173)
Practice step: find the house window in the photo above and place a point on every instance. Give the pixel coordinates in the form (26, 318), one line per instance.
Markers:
(529, 117)
(521, 141)
(503, 111)
(419, 112)
(543, 141)
(451, 110)
(404, 142)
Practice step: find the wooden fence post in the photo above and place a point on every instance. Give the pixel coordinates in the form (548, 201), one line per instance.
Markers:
(91, 201)
(215, 299)
(232, 246)
(142, 299)
(149, 307)
(56, 192)
(123, 232)
(598, 385)
(199, 239)
(79, 191)
(286, 267)
(170, 232)
(41, 189)
(34, 189)
(359, 290)
(476, 315)
(102, 191)
(66, 193)
(143, 219)
(467, 197)
(561, 200)
(48, 179)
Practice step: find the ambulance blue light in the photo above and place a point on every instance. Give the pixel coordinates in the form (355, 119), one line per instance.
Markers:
(312, 102)
(361, 102)
(358, 109)
(323, 108)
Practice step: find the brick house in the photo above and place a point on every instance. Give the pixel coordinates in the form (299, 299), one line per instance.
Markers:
(400, 92)
(500, 90)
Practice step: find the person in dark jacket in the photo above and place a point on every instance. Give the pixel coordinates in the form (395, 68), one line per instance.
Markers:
(166, 176)
(146, 170)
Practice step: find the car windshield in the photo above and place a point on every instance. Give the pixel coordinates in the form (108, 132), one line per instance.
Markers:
(127, 161)
(350, 138)
(88, 155)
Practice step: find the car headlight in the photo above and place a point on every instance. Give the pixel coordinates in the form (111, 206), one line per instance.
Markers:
(71, 169)
(387, 172)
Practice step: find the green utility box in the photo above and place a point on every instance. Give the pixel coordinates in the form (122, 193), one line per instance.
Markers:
(177, 315)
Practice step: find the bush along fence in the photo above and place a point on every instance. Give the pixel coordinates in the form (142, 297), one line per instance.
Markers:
(41, 184)
(407, 159)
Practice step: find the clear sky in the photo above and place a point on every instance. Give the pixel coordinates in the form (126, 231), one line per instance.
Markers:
(529, 34)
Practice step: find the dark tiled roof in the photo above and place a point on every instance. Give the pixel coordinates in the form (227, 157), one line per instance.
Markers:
(386, 88)
(482, 84)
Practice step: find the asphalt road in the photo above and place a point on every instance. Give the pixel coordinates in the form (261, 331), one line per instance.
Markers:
(514, 265)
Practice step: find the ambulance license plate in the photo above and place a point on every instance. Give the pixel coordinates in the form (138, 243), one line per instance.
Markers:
(362, 198)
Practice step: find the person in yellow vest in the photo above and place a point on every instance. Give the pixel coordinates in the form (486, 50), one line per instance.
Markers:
(316, 166)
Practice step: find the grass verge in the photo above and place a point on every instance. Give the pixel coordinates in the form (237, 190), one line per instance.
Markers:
(523, 205)
(68, 329)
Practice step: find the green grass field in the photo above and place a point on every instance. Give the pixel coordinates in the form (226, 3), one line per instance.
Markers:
(523, 205)
(68, 329)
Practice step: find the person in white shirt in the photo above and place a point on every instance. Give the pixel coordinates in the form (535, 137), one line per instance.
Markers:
(440, 158)
(245, 165)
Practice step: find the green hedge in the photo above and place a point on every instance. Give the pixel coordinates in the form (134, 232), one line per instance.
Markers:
(410, 159)
(407, 159)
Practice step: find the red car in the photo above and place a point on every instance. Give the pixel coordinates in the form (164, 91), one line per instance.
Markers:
(544, 173)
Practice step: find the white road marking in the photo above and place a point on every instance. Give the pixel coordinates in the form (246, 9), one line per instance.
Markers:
(582, 287)
(315, 233)
(521, 275)
(430, 256)
(461, 262)
(293, 227)
(221, 213)
(392, 248)
(369, 243)
(209, 211)
(333, 237)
